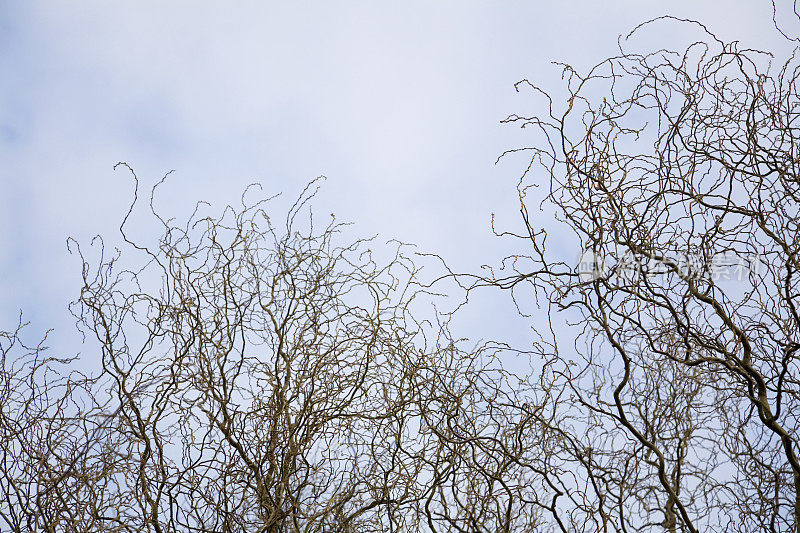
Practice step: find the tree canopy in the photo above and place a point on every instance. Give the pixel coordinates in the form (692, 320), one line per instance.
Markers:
(260, 371)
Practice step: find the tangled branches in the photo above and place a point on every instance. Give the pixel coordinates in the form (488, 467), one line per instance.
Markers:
(677, 173)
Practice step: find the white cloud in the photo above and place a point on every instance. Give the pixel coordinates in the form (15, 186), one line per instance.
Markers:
(398, 104)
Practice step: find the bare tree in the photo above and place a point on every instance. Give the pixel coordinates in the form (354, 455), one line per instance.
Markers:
(677, 172)
(264, 381)
(257, 376)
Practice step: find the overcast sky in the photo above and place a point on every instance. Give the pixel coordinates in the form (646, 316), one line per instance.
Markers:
(398, 104)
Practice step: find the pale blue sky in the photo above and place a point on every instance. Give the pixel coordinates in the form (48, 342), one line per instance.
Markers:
(398, 104)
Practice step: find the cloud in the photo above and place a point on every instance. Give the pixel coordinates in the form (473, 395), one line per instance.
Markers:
(397, 104)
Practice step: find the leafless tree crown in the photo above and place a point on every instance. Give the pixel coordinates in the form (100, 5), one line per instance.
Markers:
(267, 374)
(677, 171)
